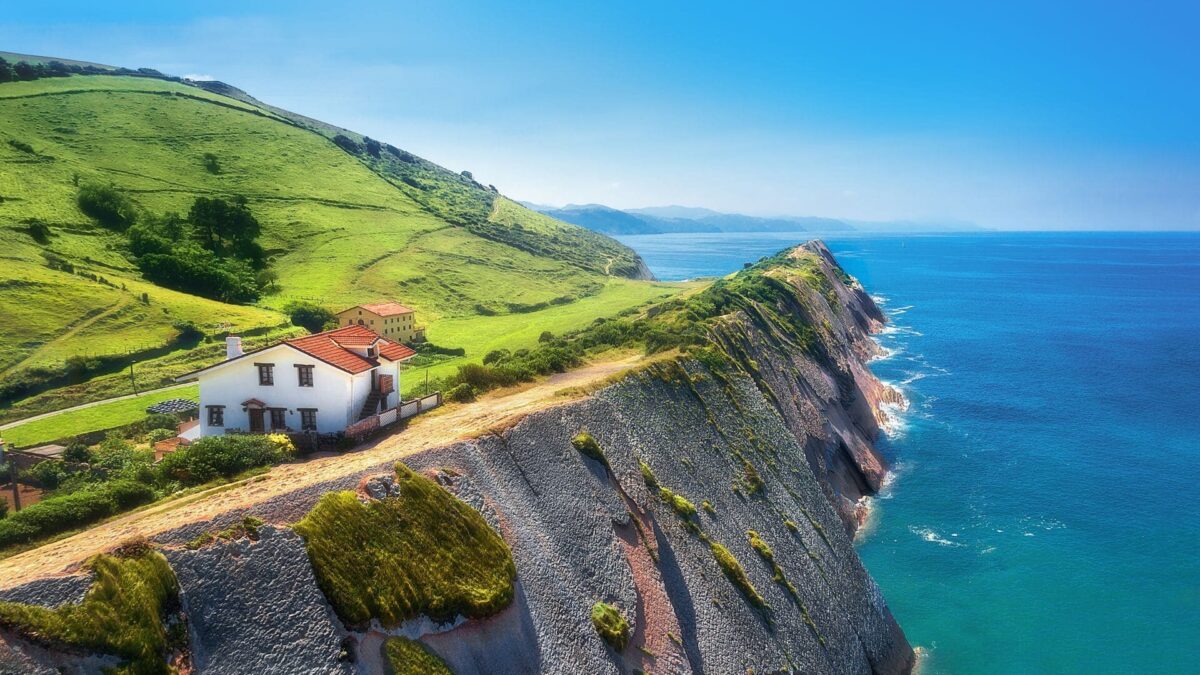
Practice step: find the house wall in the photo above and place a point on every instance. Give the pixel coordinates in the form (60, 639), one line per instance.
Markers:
(331, 393)
(399, 328)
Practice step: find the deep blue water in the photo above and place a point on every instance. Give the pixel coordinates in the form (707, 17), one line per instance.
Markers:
(1044, 514)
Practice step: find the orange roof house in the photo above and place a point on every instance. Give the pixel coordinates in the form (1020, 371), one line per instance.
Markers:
(390, 319)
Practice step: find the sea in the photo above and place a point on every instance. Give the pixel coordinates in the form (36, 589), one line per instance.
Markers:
(1042, 515)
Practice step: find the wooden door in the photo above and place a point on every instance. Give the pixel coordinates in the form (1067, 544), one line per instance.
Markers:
(256, 421)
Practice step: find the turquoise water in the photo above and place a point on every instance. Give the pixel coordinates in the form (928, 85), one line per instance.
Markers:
(1043, 517)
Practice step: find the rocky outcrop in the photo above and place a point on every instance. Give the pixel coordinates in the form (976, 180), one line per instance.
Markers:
(774, 437)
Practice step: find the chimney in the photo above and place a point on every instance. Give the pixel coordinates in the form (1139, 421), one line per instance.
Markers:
(233, 347)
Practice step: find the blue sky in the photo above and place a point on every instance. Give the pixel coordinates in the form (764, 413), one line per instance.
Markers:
(1018, 115)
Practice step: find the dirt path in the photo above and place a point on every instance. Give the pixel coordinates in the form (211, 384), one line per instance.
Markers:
(427, 431)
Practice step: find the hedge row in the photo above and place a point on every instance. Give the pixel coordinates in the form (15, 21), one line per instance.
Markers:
(71, 511)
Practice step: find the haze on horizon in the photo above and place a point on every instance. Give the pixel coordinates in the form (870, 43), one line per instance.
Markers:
(1020, 116)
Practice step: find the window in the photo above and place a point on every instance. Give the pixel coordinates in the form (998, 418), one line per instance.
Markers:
(278, 419)
(216, 415)
(266, 374)
(308, 419)
(304, 373)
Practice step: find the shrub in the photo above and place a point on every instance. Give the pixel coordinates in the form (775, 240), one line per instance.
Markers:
(546, 336)
(107, 206)
(3, 508)
(346, 143)
(160, 421)
(188, 331)
(39, 231)
(46, 475)
(67, 512)
(122, 613)
(587, 445)
(708, 507)
(462, 393)
(411, 657)
(421, 553)
(611, 625)
(77, 452)
(496, 356)
(157, 435)
(215, 457)
(310, 316)
(211, 163)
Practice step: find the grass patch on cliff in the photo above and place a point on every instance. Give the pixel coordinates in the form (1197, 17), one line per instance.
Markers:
(611, 625)
(410, 657)
(421, 553)
(586, 444)
(122, 614)
(736, 574)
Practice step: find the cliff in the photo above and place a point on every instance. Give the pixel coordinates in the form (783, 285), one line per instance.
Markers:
(714, 511)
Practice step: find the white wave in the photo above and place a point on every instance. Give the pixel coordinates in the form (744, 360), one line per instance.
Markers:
(987, 550)
(932, 536)
(879, 299)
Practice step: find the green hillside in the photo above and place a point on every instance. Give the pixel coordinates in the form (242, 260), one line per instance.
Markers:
(345, 222)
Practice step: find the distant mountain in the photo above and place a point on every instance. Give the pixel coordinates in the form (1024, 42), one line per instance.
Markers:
(662, 219)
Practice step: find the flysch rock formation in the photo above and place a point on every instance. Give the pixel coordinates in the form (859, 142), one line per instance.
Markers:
(781, 444)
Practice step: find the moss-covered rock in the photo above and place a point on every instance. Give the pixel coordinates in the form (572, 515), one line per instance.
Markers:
(423, 552)
(611, 625)
(409, 657)
(123, 613)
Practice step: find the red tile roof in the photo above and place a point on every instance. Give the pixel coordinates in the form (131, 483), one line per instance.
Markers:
(330, 347)
(386, 308)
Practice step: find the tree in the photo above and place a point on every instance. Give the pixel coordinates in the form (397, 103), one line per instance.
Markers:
(6, 71)
(228, 229)
(373, 146)
(309, 315)
(107, 206)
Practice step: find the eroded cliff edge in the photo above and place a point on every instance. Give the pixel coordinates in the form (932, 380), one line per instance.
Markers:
(769, 432)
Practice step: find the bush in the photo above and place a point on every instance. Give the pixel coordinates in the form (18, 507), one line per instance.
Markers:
(496, 356)
(310, 316)
(46, 475)
(3, 508)
(77, 453)
(67, 512)
(346, 143)
(211, 163)
(462, 393)
(107, 206)
(546, 336)
(160, 421)
(611, 625)
(39, 231)
(215, 457)
(157, 435)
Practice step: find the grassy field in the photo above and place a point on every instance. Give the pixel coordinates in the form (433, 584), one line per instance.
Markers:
(342, 228)
(101, 416)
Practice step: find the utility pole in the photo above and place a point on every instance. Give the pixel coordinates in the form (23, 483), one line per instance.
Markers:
(16, 489)
(426, 380)
(132, 381)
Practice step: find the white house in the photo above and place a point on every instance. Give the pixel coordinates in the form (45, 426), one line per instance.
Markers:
(322, 382)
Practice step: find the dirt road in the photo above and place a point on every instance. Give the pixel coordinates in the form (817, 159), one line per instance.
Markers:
(428, 431)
